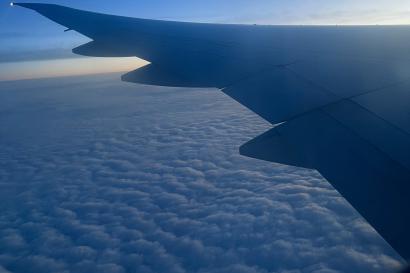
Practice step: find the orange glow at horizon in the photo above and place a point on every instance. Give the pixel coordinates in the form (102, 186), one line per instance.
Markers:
(67, 67)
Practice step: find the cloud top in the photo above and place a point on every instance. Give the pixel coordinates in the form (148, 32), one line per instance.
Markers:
(102, 176)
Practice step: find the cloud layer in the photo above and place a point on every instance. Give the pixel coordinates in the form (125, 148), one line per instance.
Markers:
(101, 176)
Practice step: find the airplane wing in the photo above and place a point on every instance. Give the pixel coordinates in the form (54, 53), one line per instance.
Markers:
(339, 97)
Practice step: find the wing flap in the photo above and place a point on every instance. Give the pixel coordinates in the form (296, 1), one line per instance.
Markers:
(154, 75)
(374, 182)
(294, 89)
(391, 104)
(389, 139)
(279, 95)
(102, 49)
(346, 76)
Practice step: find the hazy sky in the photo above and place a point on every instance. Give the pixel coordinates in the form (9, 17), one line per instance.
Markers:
(26, 36)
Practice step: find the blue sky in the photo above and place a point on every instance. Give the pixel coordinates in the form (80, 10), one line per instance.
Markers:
(26, 37)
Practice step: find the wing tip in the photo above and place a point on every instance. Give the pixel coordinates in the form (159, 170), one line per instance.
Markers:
(41, 8)
(32, 6)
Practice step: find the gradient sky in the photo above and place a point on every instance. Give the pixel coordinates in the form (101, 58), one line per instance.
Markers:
(28, 41)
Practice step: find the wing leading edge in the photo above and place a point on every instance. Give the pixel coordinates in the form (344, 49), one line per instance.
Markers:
(340, 94)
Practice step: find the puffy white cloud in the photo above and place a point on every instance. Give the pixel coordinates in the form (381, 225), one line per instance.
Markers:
(102, 176)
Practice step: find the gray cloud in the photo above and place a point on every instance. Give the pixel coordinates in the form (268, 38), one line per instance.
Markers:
(102, 176)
